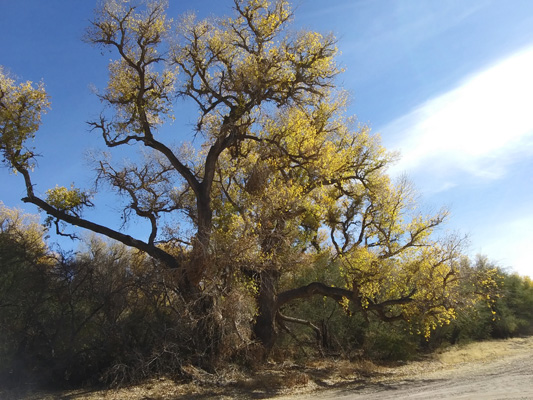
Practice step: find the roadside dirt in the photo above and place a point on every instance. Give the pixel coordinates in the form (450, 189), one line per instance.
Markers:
(488, 370)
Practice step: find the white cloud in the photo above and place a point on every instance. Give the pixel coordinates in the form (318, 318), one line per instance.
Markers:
(511, 247)
(480, 127)
(475, 134)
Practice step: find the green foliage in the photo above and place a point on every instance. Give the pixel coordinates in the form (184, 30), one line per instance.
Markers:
(503, 308)
(390, 342)
(345, 335)
(514, 309)
(109, 314)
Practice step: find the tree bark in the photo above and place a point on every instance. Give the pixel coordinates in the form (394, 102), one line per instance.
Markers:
(265, 328)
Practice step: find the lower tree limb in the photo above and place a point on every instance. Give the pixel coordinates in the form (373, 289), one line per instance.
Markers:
(283, 318)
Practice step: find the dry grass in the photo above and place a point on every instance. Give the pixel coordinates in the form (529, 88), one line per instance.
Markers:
(476, 352)
(288, 378)
(269, 381)
(485, 351)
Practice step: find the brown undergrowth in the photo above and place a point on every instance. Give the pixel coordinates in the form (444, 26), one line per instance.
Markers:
(286, 378)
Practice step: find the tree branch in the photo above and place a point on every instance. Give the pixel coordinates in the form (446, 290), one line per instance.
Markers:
(151, 250)
(314, 288)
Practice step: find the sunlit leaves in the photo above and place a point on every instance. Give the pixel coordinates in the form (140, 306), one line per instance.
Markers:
(241, 62)
(21, 108)
(68, 200)
(135, 27)
(139, 88)
(264, 18)
(138, 99)
(24, 229)
(305, 164)
(283, 177)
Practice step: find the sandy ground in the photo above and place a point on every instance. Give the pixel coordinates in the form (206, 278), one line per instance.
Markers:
(502, 372)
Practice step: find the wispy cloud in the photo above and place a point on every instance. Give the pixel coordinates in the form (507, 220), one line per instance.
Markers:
(479, 128)
(513, 249)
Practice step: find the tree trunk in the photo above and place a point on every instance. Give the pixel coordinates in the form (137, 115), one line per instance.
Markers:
(269, 303)
(265, 328)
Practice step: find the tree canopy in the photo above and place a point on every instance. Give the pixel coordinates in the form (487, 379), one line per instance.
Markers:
(283, 185)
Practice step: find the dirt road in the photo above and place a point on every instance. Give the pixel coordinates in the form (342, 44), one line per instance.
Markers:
(510, 376)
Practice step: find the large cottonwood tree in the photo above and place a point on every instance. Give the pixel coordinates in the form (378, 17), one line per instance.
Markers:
(283, 179)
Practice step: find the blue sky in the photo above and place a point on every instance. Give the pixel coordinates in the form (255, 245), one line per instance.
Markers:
(449, 83)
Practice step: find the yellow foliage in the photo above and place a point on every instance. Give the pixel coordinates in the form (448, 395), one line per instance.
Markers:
(69, 200)
(286, 177)
(21, 109)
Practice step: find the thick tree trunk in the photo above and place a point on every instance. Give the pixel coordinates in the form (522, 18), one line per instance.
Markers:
(200, 261)
(265, 328)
